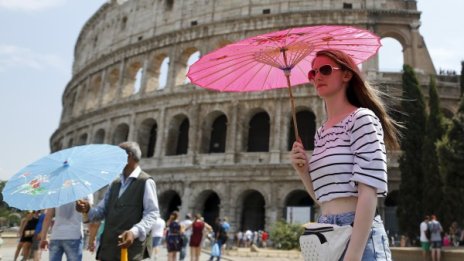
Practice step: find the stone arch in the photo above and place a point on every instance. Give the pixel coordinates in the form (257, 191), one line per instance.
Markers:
(182, 64)
(169, 201)
(79, 106)
(154, 72)
(191, 60)
(111, 85)
(214, 133)
(99, 137)
(298, 199)
(306, 120)
(57, 145)
(223, 42)
(130, 78)
(252, 210)
(82, 139)
(208, 205)
(387, 61)
(177, 142)
(93, 94)
(147, 133)
(70, 102)
(257, 133)
(121, 133)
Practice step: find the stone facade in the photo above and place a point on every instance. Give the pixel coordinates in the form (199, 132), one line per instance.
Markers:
(197, 144)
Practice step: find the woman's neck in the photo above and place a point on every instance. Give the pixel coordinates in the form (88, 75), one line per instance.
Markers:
(338, 106)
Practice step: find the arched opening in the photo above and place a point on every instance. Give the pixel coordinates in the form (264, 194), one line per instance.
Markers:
(163, 77)
(70, 143)
(258, 133)
(299, 207)
(178, 136)
(191, 60)
(121, 133)
(94, 93)
(169, 201)
(79, 106)
(82, 139)
(217, 143)
(390, 55)
(111, 86)
(153, 73)
(138, 81)
(130, 78)
(391, 220)
(306, 121)
(147, 134)
(253, 211)
(182, 65)
(99, 137)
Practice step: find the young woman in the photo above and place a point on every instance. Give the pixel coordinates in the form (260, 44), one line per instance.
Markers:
(174, 236)
(348, 168)
(198, 226)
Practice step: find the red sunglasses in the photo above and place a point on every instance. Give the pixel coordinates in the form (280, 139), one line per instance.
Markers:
(325, 70)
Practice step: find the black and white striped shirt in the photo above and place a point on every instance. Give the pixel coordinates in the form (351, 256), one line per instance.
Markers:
(351, 151)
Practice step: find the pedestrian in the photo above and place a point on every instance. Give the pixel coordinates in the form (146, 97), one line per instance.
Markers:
(129, 207)
(67, 236)
(348, 168)
(36, 251)
(20, 244)
(197, 227)
(174, 236)
(435, 238)
(264, 238)
(157, 233)
(220, 238)
(425, 237)
(186, 236)
(27, 234)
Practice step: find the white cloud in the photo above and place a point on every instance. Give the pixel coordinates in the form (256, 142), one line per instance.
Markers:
(30, 5)
(18, 57)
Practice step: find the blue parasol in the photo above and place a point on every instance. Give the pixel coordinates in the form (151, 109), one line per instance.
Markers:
(64, 176)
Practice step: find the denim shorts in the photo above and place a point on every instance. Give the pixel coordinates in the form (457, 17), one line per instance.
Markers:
(377, 244)
(72, 248)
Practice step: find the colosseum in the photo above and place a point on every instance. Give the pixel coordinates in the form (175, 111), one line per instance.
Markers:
(220, 154)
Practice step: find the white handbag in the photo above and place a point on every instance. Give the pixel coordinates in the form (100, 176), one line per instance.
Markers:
(324, 242)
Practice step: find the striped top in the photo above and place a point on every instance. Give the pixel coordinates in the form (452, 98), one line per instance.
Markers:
(351, 151)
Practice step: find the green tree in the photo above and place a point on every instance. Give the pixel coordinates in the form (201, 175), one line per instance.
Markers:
(451, 157)
(435, 129)
(410, 163)
(286, 236)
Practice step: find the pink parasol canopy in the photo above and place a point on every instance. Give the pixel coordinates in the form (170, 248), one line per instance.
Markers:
(278, 59)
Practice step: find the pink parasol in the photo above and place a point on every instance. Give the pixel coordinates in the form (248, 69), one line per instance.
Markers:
(278, 59)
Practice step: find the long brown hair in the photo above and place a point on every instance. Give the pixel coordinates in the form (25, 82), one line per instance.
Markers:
(360, 94)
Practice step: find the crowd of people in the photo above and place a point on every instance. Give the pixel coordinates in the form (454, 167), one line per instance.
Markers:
(433, 237)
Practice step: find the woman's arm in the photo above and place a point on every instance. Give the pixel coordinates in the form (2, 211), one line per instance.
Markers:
(365, 211)
(300, 163)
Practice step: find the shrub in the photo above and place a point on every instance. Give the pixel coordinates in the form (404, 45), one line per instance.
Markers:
(286, 236)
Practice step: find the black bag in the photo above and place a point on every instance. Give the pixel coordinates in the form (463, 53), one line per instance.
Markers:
(428, 234)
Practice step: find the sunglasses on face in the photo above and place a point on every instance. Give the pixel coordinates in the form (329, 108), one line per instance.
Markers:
(325, 70)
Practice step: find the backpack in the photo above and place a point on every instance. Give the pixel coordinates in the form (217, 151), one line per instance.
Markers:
(428, 233)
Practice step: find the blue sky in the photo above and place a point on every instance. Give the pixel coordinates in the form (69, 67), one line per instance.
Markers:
(37, 40)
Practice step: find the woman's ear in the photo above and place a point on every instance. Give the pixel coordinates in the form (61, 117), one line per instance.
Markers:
(347, 75)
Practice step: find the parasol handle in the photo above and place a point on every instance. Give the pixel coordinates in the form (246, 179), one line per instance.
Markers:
(124, 254)
(287, 72)
(295, 125)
